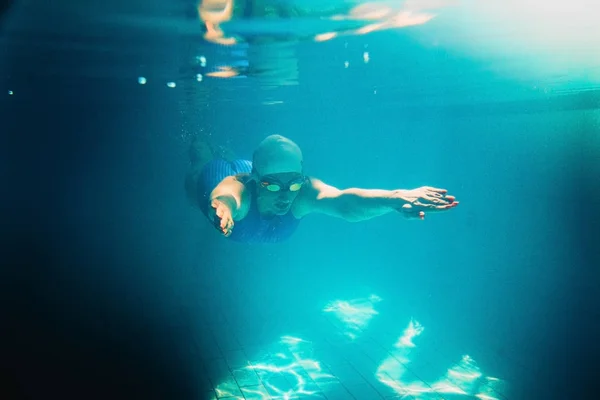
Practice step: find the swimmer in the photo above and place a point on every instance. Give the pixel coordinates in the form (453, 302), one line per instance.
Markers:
(264, 200)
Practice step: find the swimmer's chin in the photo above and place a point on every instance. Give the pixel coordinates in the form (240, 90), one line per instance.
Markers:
(284, 209)
(277, 212)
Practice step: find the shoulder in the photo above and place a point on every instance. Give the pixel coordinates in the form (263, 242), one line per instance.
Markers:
(312, 193)
(240, 182)
(245, 181)
(316, 189)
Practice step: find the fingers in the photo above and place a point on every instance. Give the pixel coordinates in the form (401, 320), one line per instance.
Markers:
(444, 207)
(222, 220)
(227, 226)
(414, 212)
(219, 224)
(438, 198)
(440, 201)
(436, 190)
(429, 201)
(452, 205)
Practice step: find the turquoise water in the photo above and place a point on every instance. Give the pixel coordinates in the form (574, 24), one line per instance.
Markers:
(497, 116)
(499, 104)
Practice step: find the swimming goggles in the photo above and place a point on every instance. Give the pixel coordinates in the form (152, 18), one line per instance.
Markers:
(273, 185)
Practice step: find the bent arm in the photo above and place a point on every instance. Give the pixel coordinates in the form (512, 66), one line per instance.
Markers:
(350, 204)
(231, 192)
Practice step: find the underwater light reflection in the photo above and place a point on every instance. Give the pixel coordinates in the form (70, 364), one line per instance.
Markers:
(354, 314)
(463, 378)
(285, 371)
(290, 369)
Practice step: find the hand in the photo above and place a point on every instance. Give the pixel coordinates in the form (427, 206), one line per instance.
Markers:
(426, 198)
(220, 214)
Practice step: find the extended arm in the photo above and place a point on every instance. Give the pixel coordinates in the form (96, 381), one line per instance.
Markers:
(356, 204)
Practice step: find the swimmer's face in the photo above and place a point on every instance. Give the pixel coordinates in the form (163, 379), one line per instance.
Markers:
(277, 192)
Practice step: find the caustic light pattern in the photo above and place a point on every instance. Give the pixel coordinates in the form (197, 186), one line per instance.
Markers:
(296, 368)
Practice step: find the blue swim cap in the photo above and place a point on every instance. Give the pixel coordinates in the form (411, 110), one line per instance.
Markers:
(277, 154)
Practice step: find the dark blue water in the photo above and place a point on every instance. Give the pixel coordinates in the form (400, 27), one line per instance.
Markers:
(115, 285)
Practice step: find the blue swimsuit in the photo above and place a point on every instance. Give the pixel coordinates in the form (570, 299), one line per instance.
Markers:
(254, 228)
